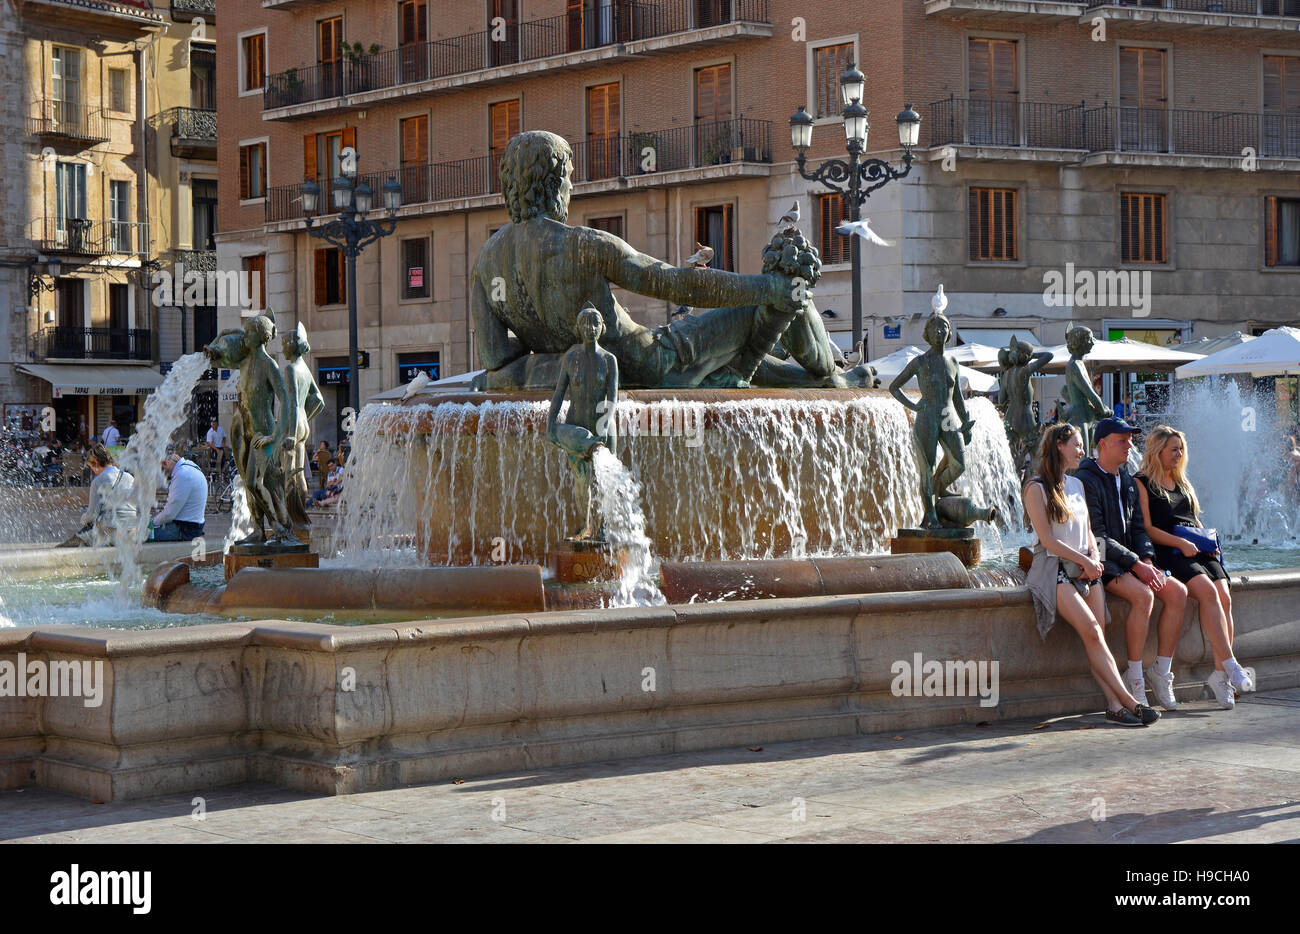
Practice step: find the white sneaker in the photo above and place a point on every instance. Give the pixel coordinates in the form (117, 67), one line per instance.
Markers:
(1244, 682)
(1136, 688)
(1162, 686)
(1222, 690)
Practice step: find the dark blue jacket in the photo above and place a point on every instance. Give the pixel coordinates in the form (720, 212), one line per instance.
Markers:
(1123, 544)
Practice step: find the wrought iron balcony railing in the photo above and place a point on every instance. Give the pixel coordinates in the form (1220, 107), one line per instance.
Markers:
(1108, 128)
(192, 123)
(74, 343)
(188, 9)
(599, 157)
(1240, 7)
(84, 237)
(196, 260)
(621, 21)
(69, 121)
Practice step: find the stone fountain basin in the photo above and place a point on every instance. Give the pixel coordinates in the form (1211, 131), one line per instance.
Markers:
(335, 710)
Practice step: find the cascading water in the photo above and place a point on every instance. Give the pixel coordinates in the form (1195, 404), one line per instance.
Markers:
(1234, 460)
(620, 510)
(164, 412)
(241, 518)
(991, 480)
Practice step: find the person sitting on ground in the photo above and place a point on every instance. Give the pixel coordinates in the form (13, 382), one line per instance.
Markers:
(216, 442)
(333, 485)
(1063, 576)
(182, 518)
(1168, 502)
(111, 484)
(1128, 556)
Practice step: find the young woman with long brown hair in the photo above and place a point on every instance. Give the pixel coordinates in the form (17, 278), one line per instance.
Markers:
(1065, 575)
(1169, 502)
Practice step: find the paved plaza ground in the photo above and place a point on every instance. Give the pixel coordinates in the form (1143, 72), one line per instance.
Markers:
(1199, 775)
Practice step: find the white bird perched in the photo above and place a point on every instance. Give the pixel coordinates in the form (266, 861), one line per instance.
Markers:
(791, 217)
(939, 301)
(863, 229)
(701, 256)
(418, 382)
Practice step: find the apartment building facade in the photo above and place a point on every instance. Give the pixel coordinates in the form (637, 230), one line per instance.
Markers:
(90, 200)
(1046, 140)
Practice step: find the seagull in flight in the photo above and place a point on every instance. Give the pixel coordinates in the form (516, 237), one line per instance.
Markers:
(939, 301)
(701, 256)
(863, 229)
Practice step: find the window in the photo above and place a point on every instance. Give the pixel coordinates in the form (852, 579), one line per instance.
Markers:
(830, 212)
(70, 222)
(329, 55)
(602, 131)
(254, 53)
(611, 225)
(203, 76)
(713, 115)
(65, 83)
(1281, 231)
(412, 33)
(255, 270)
(119, 318)
(71, 301)
(120, 216)
(507, 52)
(408, 364)
(1142, 100)
(993, 79)
(203, 197)
(331, 277)
(252, 171)
(119, 90)
(1142, 220)
(713, 228)
(591, 23)
(415, 159)
(324, 149)
(992, 216)
(503, 117)
(415, 268)
(829, 63)
(1281, 106)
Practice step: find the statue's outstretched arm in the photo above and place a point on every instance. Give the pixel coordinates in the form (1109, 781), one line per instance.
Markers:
(1039, 360)
(689, 285)
(896, 387)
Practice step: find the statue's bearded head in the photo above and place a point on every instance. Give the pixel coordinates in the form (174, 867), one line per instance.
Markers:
(535, 176)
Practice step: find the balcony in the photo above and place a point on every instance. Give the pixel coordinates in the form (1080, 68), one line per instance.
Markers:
(92, 15)
(693, 154)
(194, 132)
(1007, 10)
(626, 30)
(186, 10)
(84, 237)
(1202, 15)
(70, 343)
(196, 260)
(65, 122)
(1106, 134)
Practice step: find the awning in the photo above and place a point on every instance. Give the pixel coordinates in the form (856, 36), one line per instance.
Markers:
(73, 380)
(996, 337)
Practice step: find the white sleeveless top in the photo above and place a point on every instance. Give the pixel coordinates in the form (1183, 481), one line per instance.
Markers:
(1077, 530)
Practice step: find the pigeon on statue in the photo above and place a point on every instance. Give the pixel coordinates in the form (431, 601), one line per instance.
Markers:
(702, 255)
(791, 217)
(939, 301)
(420, 380)
(863, 229)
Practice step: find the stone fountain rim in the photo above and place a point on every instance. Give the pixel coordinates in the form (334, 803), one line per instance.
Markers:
(653, 395)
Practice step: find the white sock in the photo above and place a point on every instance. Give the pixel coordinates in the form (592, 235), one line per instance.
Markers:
(1164, 665)
(1134, 673)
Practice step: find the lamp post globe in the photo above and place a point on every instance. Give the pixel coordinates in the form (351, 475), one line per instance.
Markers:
(801, 128)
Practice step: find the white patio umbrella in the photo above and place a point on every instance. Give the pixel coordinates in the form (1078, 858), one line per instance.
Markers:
(1122, 354)
(1273, 353)
(1208, 345)
(889, 366)
(974, 355)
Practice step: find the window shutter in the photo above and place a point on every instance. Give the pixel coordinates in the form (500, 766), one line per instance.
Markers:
(350, 137)
(978, 65)
(1272, 82)
(574, 10)
(342, 276)
(309, 156)
(1153, 77)
(243, 173)
(1128, 77)
(727, 228)
(1270, 231)
(1003, 77)
(321, 274)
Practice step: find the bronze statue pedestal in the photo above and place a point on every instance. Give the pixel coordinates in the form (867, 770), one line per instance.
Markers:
(260, 556)
(584, 562)
(961, 542)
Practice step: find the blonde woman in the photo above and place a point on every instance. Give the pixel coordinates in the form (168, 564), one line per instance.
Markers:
(1065, 575)
(1169, 504)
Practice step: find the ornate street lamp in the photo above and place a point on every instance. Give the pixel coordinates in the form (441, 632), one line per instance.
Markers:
(856, 179)
(352, 232)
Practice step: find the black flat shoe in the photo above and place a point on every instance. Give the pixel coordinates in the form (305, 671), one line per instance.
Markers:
(1146, 714)
(1123, 717)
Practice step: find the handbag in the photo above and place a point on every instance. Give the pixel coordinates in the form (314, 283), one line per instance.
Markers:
(1205, 540)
